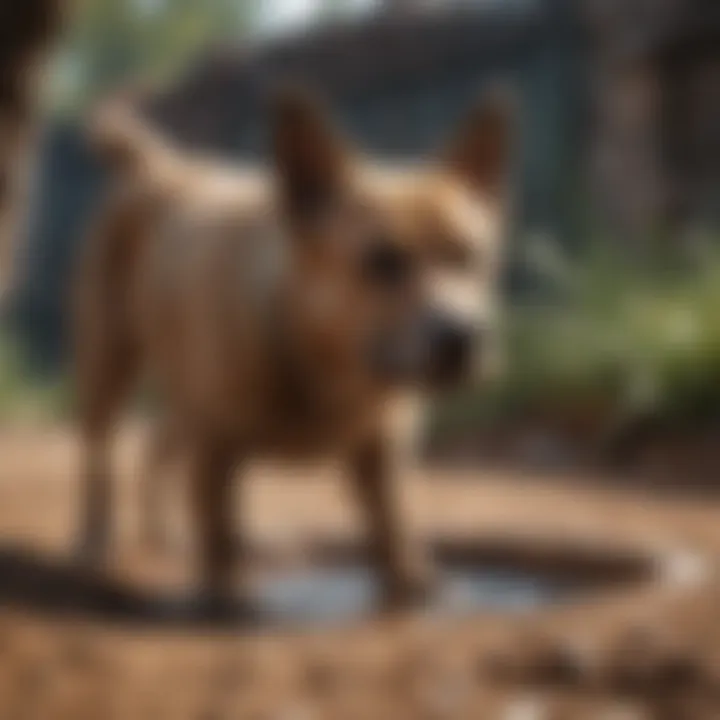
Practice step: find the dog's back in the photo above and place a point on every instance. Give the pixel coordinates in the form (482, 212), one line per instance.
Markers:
(178, 242)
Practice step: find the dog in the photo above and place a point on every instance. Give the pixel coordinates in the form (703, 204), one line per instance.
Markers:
(293, 312)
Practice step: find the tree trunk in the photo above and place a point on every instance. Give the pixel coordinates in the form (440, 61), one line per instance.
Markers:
(27, 29)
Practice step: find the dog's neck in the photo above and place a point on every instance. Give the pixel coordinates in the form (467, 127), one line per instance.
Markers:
(296, 389)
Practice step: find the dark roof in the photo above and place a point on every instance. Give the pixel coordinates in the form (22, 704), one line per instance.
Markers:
(345, 61)
(630, 30)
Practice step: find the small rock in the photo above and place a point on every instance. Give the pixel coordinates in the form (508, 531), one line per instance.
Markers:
(644, 662)
(526, 708)
(679, 671)
(543, 661)
(562, 663)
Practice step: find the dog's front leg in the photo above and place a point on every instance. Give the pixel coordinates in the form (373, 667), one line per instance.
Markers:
(211, 479)
(404, 573)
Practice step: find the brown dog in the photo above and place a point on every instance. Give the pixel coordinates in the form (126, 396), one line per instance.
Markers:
(286, 314)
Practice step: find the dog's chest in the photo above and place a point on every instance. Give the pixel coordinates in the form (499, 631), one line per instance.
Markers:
(297, 419)
(232, 354)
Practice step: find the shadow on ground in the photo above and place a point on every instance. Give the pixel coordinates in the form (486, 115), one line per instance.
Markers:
(334, 582)
(60, 587)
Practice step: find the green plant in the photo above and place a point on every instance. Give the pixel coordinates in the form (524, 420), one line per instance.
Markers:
(616, 336)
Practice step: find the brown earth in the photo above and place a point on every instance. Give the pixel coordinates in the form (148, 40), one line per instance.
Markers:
(645, 652)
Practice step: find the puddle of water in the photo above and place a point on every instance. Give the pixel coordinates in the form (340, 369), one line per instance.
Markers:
(336, 594)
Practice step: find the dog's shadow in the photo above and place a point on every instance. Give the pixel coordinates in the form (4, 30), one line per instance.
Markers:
(61, 587)
(503, 570)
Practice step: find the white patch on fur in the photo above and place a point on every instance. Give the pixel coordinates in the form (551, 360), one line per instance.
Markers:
(465, 296)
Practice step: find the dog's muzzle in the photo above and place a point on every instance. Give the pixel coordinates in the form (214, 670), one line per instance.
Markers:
(453, 345)
(439, 351)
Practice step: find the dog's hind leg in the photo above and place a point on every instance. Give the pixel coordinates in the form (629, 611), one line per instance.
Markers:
(102, 391)
(212, 463)
(105, 370)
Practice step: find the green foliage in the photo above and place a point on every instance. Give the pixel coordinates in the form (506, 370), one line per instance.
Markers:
(113, 41)
(618, 338)
(24, 397)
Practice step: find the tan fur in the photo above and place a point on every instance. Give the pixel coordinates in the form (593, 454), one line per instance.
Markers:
(239, 293)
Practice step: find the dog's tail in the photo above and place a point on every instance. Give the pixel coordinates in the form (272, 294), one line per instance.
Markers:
(126, 142)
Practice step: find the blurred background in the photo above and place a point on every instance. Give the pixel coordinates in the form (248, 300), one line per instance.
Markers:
(613, 347)
(543, 486)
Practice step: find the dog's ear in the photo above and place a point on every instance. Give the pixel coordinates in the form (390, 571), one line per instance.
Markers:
(311, 158)
(480, 152)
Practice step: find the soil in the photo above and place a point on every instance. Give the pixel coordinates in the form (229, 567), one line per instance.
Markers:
(75, 646)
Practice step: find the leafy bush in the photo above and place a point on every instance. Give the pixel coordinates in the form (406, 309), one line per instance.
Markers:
(612, 335)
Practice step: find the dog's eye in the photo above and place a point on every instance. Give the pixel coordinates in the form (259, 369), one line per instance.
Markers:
(386, 265)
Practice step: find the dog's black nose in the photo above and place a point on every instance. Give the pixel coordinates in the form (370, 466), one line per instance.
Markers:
(453, 343)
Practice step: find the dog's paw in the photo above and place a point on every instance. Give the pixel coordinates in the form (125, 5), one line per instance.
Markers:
(409, 590)
(91, 551)
(205, 607)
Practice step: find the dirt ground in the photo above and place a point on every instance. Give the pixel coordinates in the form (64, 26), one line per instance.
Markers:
(646, 652)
